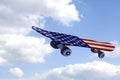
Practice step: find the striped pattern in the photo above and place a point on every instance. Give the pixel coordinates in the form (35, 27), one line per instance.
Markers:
(99, 45)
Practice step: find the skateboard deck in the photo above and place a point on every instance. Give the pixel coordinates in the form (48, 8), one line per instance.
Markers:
(71, 40)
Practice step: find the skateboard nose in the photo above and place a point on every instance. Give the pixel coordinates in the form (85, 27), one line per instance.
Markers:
(36, 28)
(33, 27)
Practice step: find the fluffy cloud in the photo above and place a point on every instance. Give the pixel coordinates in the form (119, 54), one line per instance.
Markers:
(20, 15)
(16, 19)
(16, 72)
(19, 48)
(95, 70)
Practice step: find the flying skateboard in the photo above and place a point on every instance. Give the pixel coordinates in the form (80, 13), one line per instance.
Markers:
(62, 41)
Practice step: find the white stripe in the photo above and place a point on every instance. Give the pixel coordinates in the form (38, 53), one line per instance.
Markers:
(98, 43)
(108, 48)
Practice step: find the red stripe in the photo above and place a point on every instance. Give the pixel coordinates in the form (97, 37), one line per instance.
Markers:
(88, 39)
(102, 49)
(106, 42)
(111, 46)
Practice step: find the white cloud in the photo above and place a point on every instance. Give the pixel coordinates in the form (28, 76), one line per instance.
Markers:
(16, 19)
(2, 61)
(16, 72)
(116, 52)
(18, 16)
(95, 70)
(25, 49)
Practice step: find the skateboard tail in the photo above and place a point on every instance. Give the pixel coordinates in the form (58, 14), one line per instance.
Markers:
(105, 46)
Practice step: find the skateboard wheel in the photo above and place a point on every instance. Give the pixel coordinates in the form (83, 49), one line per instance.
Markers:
(66, 51)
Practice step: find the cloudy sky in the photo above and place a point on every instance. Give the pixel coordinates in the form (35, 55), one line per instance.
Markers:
(27, 55)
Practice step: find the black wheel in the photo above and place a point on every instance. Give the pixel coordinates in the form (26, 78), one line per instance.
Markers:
(66, 51)
(95, 50)
(101, 55)
(54, 44)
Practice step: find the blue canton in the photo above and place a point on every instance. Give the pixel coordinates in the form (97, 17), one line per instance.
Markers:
(63, 38)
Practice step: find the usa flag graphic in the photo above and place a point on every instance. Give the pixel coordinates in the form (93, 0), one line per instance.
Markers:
(99, 45)
(75, 41)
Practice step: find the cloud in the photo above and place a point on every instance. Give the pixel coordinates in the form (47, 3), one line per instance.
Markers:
(96, 70)
(2, 61)
(20, 15)
(16, 19)
(16, 72)
(23, 49)
(116, 52)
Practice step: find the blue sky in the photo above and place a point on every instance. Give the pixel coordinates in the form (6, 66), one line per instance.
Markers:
(27, 55)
